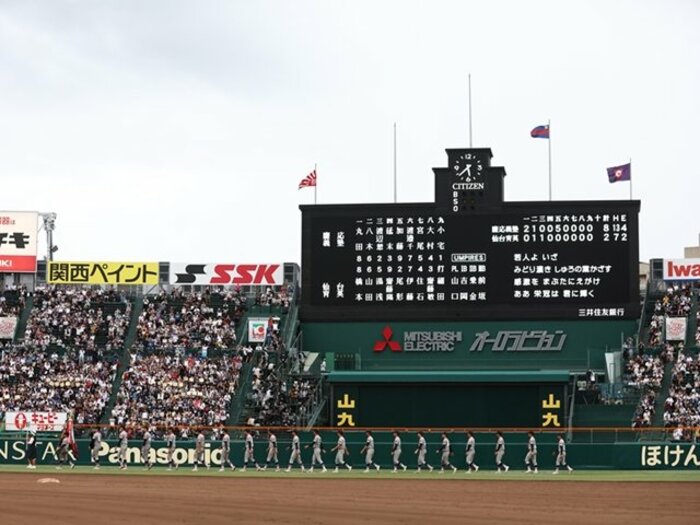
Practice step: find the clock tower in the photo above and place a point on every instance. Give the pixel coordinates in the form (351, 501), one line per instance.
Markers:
(469, 183)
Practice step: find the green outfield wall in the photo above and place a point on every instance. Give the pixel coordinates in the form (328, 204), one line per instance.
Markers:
(621, 455)
(407, 402)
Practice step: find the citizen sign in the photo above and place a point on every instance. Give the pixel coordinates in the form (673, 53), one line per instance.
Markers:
(468, 186)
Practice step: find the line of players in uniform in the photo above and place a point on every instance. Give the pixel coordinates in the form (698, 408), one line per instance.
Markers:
(340, 449)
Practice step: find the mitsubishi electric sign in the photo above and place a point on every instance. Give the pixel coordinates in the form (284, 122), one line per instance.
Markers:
(418, 341)
(432, 341)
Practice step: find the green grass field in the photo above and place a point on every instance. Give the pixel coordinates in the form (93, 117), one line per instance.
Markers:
(482, 475)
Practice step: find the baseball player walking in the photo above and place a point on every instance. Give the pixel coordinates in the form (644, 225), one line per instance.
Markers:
(146, 449)
(341, 450)
(63, 451)
(317, 447)
(95, 445)
(396, 453)
(471, 452)
(123, 445)
(225, 450)
(295, 456)
(30, 447)
(199, 458)
(368, 451)
(561, 455)
(445, 452)
(499, 452)
(531, 456)
(170, 442)
(272, 452)
(249, 453)
(421, 452)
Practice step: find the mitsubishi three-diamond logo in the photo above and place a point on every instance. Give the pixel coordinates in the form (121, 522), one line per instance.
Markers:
(387, 334)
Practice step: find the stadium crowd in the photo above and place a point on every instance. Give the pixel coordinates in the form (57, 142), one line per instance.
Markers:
(277, 399)
(276, 297)
(676, 302)
(39, 381)
(646, 373)
(77, 318)
(177, 390)
(682, 407)
(175, 320)
(12, 300)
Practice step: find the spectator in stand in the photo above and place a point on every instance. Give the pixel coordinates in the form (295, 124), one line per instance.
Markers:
(280, 297)
(12, 300)
(682, 407)
(190, 321)
(177, 391)
(278, 400)
(73, 318)
(645, 372)
(677, 302)
(36, 381)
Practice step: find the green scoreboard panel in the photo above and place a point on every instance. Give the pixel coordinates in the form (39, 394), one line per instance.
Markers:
(449, 405)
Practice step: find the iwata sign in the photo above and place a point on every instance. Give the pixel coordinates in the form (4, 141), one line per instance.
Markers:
(18, 241)
(223, 274)
(40, 421)
(681, 269)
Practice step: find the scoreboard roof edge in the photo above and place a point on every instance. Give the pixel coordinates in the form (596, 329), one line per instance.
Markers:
(635, 204)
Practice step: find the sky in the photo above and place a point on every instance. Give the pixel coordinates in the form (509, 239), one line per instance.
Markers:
(179, 130)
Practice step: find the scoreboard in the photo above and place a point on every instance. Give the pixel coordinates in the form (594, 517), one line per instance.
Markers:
(470, 255)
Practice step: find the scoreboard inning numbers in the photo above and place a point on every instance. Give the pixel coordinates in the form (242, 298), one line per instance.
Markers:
(470, 255)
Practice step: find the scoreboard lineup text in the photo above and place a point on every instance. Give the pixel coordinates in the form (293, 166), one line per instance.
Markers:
(491, 259)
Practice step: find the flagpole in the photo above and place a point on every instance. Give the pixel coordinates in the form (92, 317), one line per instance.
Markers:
(470, 110)
(630, 178)
(316, 183)
(549, 148)
(394, 162)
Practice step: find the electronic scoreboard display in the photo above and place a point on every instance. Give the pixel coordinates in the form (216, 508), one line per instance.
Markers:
(470, 255)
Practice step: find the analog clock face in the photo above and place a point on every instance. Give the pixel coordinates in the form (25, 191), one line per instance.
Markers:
(468, 167)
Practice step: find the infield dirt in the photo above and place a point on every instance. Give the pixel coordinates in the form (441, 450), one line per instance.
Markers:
(137, 500)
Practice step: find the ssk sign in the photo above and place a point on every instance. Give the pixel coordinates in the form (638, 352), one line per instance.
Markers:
(18, 241)
(682, 269)
(227, 274)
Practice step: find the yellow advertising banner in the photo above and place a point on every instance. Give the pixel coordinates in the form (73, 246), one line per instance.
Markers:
(123, 273)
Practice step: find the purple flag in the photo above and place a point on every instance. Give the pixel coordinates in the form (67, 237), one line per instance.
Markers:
(619, 173)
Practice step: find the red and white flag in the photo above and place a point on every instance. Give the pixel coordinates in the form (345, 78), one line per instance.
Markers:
(308, 181)
(71, 437)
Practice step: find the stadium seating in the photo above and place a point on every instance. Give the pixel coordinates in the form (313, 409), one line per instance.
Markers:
(74, 319)
(40, 381)
(165, 389)
(177, 320)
